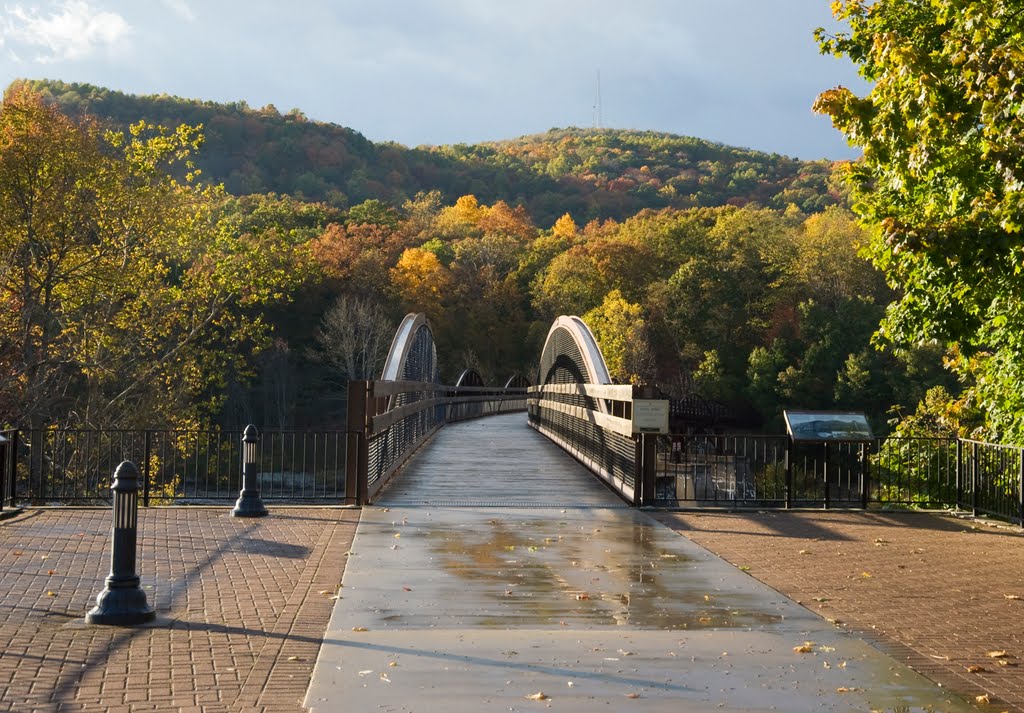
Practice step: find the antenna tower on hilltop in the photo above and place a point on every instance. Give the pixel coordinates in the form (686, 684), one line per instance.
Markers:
(597, 106)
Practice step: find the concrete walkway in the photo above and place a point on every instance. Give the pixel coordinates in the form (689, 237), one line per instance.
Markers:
(485, 606)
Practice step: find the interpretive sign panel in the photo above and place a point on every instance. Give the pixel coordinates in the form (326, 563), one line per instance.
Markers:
(825, 426)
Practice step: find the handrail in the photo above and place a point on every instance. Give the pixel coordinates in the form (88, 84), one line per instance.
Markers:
(594, 424)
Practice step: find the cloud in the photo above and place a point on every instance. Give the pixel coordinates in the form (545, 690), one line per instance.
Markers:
(73, 30)
(181, 9)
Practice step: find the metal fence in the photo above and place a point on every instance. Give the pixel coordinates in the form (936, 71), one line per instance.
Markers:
(52, 466)
(993, 478)
(918, 472)
(770, 471)
(8, 465)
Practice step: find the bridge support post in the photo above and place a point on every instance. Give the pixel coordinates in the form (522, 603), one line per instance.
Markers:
(647, 450)
(358, 453)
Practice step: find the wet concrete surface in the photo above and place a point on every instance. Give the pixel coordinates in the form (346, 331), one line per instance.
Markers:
(481, 608)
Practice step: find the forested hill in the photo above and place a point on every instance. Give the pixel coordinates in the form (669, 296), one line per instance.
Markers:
(590, 173)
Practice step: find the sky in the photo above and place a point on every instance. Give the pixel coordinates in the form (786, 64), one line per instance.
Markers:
(739, 72)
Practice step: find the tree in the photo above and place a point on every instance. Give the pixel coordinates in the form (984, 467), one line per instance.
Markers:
(422, 282)
(942, 180)
(354, 337)
(134, 301)
(621, 331)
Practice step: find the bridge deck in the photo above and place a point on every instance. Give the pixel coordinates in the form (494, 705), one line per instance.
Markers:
(475, 587)
(496, 461)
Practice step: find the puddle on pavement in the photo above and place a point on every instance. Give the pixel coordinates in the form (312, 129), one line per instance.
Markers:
(575, 573)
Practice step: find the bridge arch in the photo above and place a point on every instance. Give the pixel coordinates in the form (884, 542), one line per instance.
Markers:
(413, 355)
(571, 355)
(469, 377)
(517, 381)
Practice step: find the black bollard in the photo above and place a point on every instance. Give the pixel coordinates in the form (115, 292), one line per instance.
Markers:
(249, 503)
(122, 602)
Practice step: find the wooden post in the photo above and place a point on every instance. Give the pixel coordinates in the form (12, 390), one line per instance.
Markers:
(357, 455)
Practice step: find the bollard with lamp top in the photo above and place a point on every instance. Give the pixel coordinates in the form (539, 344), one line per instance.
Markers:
(249, 503)
(122, 602)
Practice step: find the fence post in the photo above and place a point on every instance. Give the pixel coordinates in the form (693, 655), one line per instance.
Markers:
(974, 478)
(12, 477)
(959, 474)
(789, 472)
(865, 475)
(357, 454)
(6, 458)
(123, 602)
(824, 469)
(1020, 486)
(147, 452)
(646, 470)
(249, 503)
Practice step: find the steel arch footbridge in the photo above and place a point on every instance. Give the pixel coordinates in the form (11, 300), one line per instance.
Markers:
(571, 400)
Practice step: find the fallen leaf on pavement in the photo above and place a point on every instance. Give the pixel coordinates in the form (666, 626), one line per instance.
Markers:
(538, 696)
(997, 654)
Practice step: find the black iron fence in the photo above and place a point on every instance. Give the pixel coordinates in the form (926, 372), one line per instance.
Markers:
(389, 420)
(57, 466)
(770, 471)
(8, 465)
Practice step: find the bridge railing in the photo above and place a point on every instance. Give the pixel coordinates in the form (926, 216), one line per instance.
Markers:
(389, 420)
(594, 424)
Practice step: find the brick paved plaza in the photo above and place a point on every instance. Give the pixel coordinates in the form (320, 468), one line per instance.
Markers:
(935, 592)
(241, 607)
(242, 604)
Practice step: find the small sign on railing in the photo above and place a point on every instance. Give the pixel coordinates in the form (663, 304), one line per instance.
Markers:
(650, 416)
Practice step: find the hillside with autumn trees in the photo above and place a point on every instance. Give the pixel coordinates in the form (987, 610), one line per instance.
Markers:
(590, 173)
(188, 262)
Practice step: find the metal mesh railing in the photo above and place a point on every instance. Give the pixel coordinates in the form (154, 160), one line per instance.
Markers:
(593, 424)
